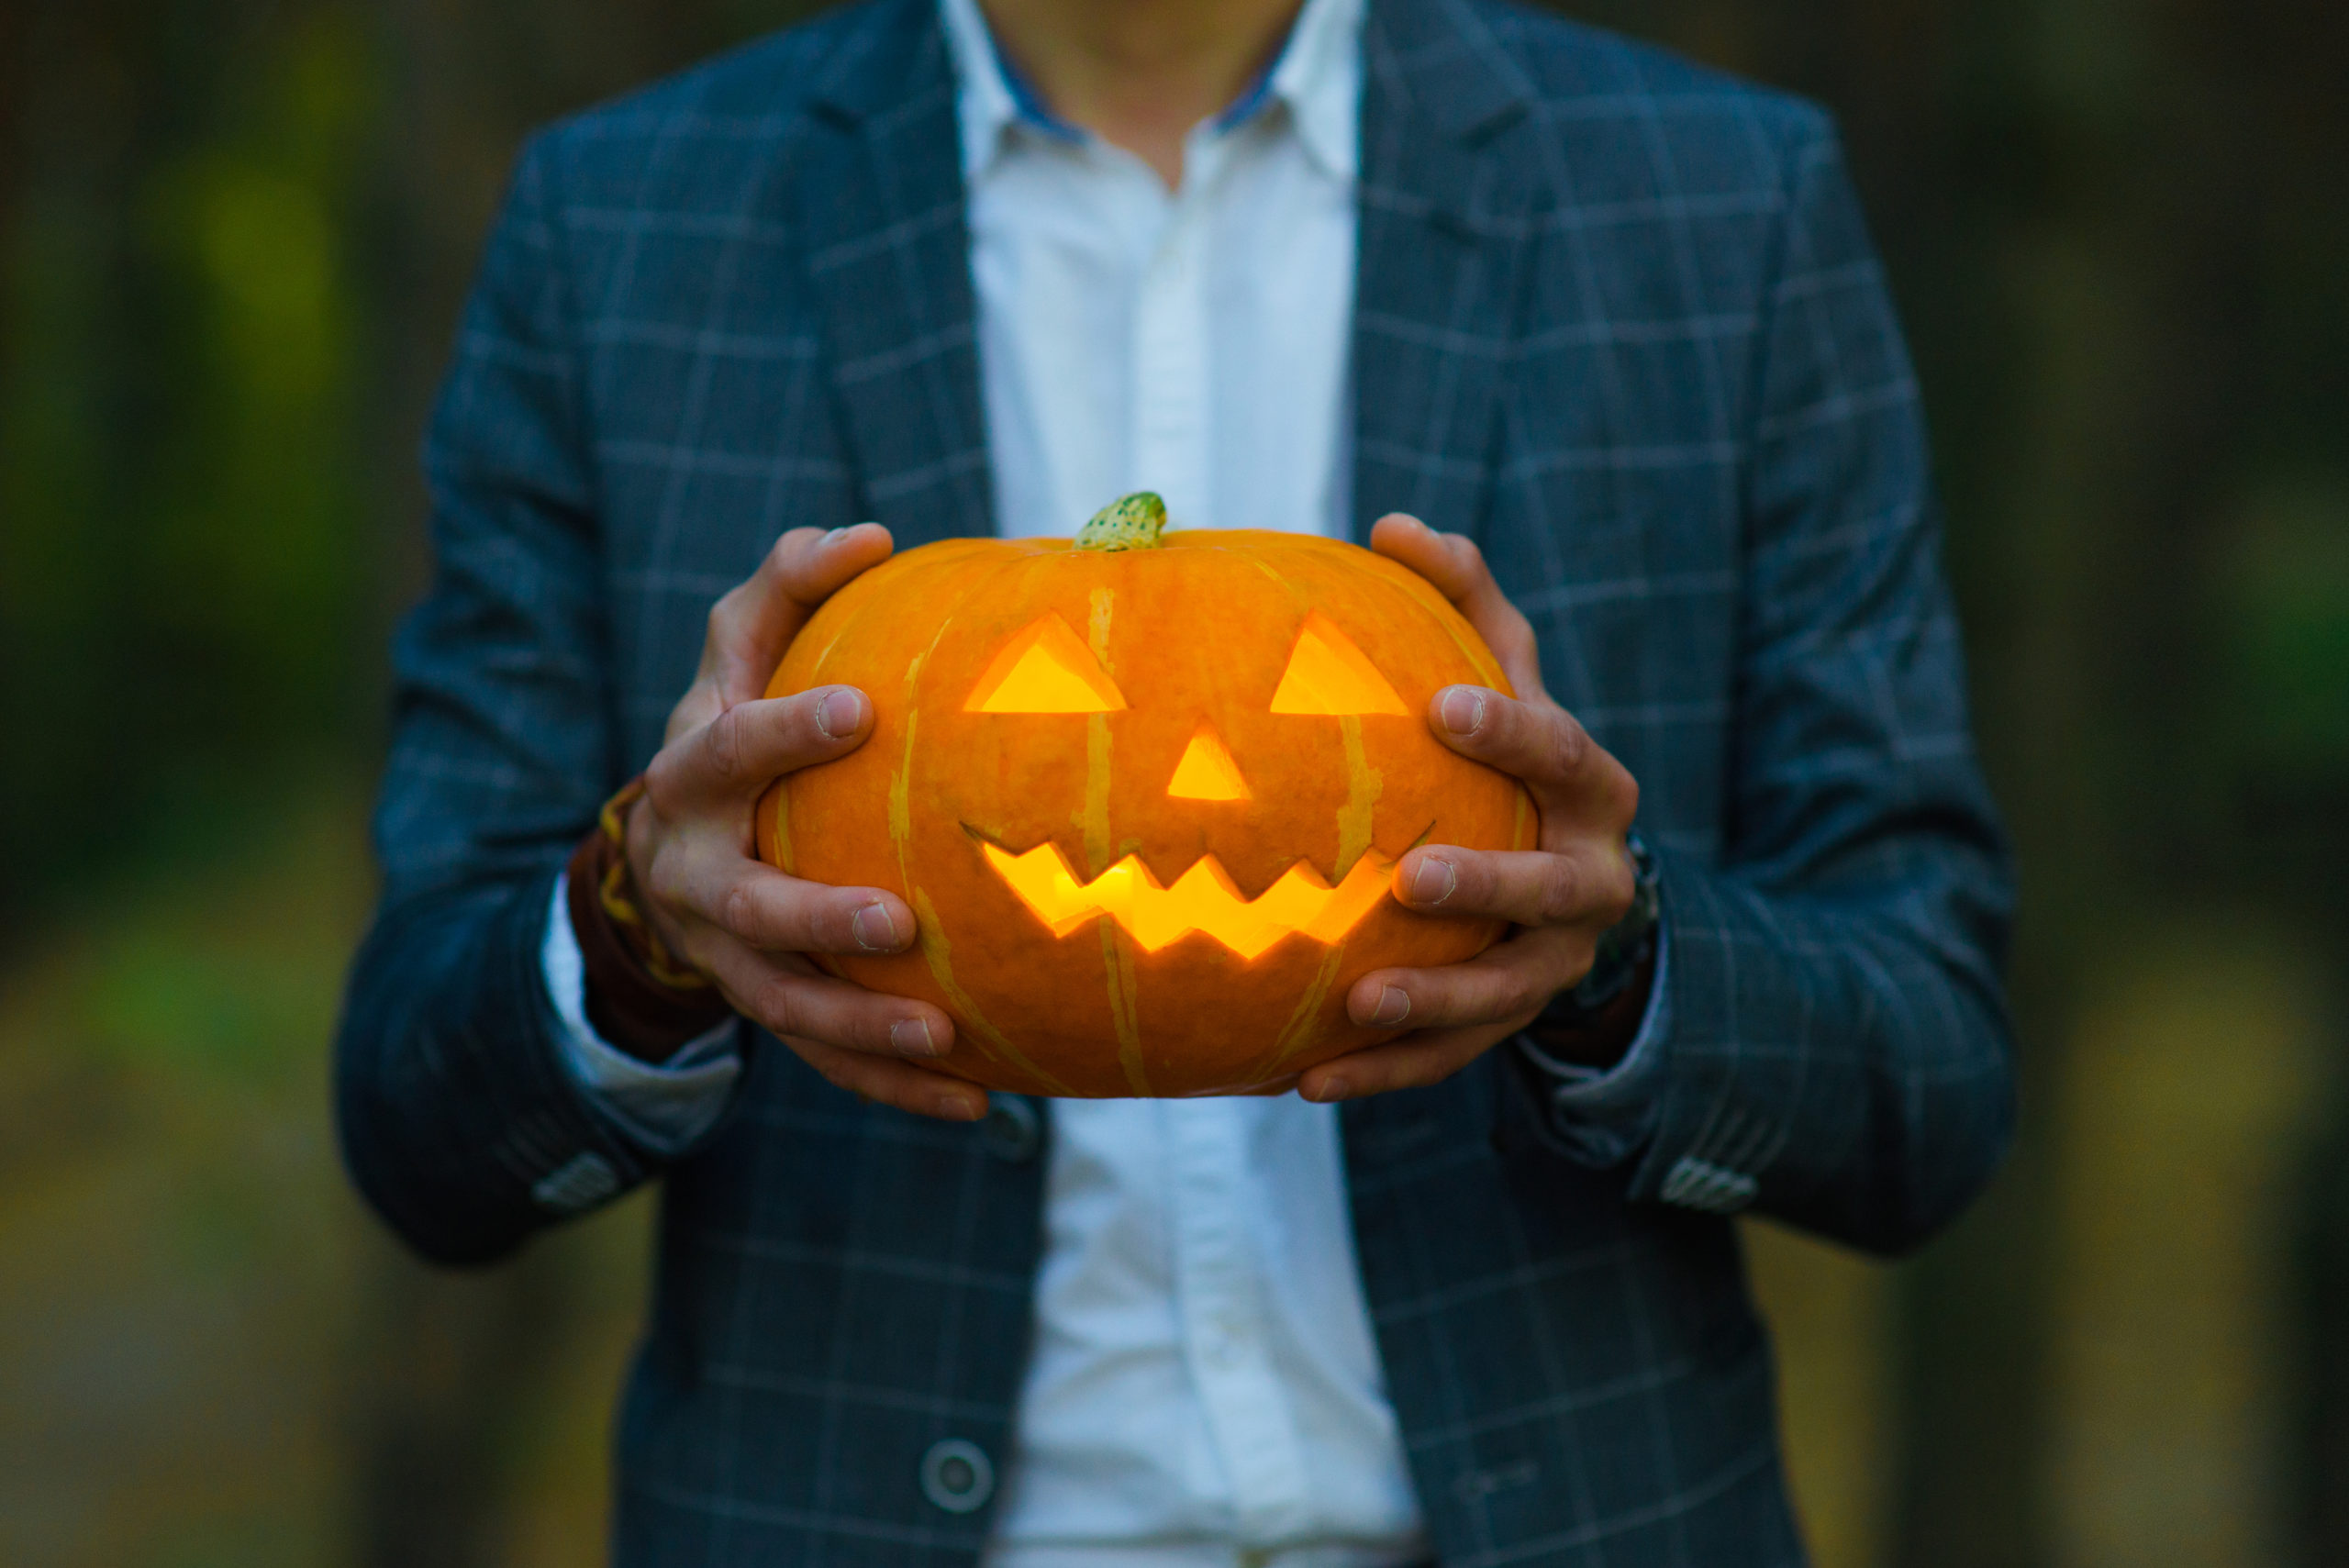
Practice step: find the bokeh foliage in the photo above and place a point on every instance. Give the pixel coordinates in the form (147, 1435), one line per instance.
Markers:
(233, 236)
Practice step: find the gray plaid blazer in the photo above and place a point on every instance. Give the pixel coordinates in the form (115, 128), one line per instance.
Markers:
(1618, 320)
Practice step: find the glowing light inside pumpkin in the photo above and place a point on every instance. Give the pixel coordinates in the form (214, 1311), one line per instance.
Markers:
(1045, 669)
(1203, 899)
(1327, 674)
(1206, 770)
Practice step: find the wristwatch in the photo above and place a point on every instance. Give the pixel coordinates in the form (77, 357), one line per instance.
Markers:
(1623, 948)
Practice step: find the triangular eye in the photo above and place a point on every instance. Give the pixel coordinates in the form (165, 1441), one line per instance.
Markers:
(1327, 674)
(1045, 670)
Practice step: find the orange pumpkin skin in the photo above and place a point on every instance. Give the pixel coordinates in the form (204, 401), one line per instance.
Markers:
(1196, 634)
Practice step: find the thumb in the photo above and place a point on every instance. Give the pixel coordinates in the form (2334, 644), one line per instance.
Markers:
(755, 623)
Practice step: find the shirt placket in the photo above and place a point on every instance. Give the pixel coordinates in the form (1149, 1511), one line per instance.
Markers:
(1224, 1332)
(1171, 362)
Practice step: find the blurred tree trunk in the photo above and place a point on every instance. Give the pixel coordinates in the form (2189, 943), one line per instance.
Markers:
(2321, 1485)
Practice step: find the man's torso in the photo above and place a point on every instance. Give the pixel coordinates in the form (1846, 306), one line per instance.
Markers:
(1563, 263)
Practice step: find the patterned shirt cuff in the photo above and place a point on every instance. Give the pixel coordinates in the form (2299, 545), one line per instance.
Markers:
(664, 1108)
(1604, 1116)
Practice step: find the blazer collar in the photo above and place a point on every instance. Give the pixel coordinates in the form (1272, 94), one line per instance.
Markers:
(1441, 62)
(1452, 181)
(880, 210)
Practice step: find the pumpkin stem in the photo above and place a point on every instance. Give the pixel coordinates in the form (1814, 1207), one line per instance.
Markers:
(1129, 522)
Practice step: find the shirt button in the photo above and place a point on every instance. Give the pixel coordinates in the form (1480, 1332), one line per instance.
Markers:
(956, 1476)
(1012, 1131)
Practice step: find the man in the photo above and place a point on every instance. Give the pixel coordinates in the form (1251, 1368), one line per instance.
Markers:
(1607, 322)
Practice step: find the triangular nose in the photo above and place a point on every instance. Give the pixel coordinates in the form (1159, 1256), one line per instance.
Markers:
(1206, 770)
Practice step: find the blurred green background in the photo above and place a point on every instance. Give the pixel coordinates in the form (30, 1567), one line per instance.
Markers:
(233, 237)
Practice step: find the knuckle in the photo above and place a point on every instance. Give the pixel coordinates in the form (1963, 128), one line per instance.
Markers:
(1514, 643)
(778, 1007)
(661, 783)
(662, 881)
(838, 1070)
(792, 563)
(1456, 1005)
(793, 546)
(1522, 997)
(1479, 886)
(740, 913)
(725, 748)
(1561, 891)
(1622, 887)
(1569, 745)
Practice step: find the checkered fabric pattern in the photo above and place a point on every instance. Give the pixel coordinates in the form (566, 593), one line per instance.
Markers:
(1617, 319)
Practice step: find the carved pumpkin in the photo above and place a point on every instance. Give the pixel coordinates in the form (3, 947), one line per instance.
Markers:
(1145, 796)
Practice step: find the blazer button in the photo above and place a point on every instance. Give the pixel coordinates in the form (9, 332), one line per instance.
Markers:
(1012, 1131)
(957, 1475)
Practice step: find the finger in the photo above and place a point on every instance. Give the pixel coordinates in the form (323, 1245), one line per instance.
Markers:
(1586, 880)
(1573, 778)
(900, 1085)
(739, 753)
(1456, 567)
(1414, 1061)
(755, 621)
(771, 911)
(1508, 983)
(787, 1000)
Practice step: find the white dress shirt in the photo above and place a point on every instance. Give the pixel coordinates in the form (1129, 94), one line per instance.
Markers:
(1204, 1389)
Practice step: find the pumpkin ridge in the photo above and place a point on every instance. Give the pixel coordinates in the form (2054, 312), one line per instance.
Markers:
(1095, 822)
(1125, 1003)
(1365, 784)
(938, 953)
(1298, 1033)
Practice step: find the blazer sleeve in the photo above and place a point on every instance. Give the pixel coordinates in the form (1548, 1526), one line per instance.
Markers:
(457, 1117)
(1838, 1053)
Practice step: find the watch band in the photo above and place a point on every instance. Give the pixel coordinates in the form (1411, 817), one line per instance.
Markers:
(1623, 947)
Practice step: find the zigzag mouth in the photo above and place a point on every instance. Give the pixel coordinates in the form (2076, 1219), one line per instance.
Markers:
(1203, 899)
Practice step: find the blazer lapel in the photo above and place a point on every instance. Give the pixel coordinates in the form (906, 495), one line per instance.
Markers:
(1447, 214)
(880, 206)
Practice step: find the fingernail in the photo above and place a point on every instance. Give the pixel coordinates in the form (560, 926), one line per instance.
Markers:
(1433, 881)
(831, 534)
(1333, 1089)
(1463, 709)
(839, 714)
(910, 1036)
(1394, 1006)
(875, 930)
(954, 1108)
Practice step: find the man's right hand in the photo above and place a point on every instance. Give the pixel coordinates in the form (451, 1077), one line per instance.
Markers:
(690, 848)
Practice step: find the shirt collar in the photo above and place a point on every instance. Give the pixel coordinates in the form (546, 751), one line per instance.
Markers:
(1316, 77)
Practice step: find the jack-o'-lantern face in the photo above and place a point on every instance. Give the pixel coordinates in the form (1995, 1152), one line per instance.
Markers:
(1045, 670)
(1145, 803)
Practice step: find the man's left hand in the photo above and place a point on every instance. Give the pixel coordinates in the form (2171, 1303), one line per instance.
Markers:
(1559, 896)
